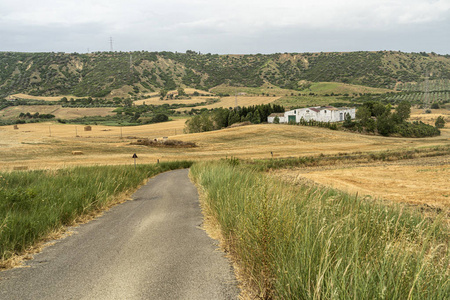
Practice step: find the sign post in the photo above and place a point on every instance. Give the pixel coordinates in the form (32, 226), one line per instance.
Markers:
(135, 156)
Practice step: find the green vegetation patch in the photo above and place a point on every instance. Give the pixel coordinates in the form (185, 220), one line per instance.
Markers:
(305, 100)
(35, 203)
(303, 242)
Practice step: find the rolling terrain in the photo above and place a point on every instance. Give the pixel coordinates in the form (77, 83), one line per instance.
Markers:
(51, 145)
(119, 74)
(332, 179)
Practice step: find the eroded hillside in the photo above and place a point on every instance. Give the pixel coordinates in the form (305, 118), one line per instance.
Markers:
(121, 73)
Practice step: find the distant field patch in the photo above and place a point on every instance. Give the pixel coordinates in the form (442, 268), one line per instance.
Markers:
(343, 88)
(55, 98)
(57, 110)
(227, 102)
(157, 101)
(420, 115)
(291, 102)
(265, 89)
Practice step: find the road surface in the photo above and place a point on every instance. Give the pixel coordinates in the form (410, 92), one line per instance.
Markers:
(148, 248)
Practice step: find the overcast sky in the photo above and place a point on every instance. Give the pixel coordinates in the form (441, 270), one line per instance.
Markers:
(225, 26)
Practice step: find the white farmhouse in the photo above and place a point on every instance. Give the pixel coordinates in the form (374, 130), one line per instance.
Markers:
(317, 113)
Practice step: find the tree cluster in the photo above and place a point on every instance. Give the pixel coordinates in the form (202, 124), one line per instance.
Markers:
(221, 117)
(378, 118)
(35, 116)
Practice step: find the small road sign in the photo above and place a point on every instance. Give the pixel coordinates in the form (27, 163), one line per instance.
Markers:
(134, 156)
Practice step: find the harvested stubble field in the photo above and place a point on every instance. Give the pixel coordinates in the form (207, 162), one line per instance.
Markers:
(420, 115)
(32, 146)
(416, 181)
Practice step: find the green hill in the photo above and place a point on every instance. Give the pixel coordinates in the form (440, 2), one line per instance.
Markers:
(120, 73)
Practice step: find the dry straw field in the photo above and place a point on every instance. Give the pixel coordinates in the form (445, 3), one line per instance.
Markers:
(51, 145)
(417, 181)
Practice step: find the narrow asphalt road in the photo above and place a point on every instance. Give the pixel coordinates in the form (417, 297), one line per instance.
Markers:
(148, 248)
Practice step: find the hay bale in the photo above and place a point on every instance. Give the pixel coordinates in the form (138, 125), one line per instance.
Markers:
(87, 128)
(77, 153)
(20, 168)
(16, 127)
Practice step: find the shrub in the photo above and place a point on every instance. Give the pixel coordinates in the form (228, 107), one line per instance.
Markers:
(435, 106)
(440, 122)
(159, 118)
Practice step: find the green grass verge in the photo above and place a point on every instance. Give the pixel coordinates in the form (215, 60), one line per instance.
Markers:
(35, 203)
(343, 158)
(303, 242)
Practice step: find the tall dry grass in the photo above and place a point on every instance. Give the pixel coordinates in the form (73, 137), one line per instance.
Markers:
(299, 242)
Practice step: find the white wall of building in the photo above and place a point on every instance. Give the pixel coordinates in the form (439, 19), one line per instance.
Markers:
(321, 114)
(282, 119)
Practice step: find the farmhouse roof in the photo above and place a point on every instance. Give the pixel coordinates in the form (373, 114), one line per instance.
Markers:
(276, 115)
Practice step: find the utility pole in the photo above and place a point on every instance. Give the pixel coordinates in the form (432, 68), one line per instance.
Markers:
(111, 43)
(131, 61)
(426, 99)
